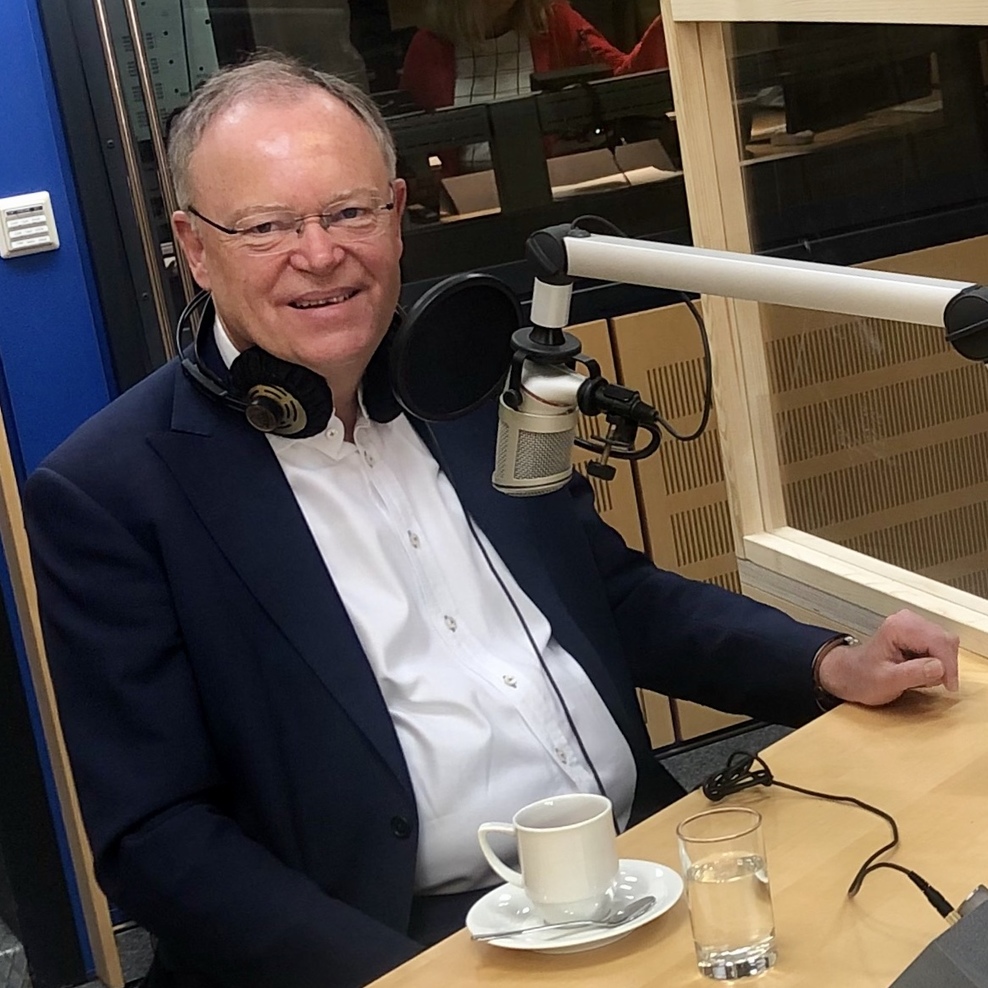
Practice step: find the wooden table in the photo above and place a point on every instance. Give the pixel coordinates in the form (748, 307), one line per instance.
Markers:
(923, 759)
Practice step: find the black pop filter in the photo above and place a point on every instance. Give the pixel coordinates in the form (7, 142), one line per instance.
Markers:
(452, 351)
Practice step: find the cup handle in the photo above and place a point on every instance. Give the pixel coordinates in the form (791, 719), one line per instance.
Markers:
(508, 874)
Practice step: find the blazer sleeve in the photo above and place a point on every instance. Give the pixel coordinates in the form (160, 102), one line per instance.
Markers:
(697, 641)
(151, 791)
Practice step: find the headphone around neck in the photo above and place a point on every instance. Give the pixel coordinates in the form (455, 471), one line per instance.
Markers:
(274, 395)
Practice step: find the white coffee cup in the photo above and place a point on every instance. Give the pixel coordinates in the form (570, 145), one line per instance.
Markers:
(567, 855)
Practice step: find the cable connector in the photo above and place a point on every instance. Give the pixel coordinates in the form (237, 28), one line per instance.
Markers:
(933, 896)
(977, 898)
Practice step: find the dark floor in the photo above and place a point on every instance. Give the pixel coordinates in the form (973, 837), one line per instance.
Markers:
(691, 767)
(13, 966)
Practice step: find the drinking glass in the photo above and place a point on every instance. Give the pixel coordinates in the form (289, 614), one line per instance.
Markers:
(730, 902)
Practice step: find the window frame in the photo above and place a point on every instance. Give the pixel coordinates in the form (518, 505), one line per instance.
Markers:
(777, 563)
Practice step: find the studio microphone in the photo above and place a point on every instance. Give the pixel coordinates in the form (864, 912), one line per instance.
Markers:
(538, 413)
(539, 408)
(462, 337)
(534, 451)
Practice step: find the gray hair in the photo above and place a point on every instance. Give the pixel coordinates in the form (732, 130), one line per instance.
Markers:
(270, 76)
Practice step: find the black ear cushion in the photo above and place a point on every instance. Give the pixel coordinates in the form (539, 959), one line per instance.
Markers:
(304, 397)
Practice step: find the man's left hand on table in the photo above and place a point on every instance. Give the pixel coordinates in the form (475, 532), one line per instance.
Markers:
(906, 652)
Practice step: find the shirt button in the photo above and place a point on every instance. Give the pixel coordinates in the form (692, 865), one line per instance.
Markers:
(511, 681)
(414, 540)
(561, 755)
(450, 622)
(369, 458)
(400, 827)
(331, 433)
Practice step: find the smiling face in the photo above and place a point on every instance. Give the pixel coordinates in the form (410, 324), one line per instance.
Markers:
(324, 304)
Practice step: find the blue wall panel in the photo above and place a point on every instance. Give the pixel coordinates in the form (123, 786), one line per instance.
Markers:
(51, 351)
(54, 371)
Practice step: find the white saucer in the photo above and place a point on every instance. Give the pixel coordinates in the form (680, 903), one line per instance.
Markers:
(508, 908)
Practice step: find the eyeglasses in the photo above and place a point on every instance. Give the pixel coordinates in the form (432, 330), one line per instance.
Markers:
(358, 218)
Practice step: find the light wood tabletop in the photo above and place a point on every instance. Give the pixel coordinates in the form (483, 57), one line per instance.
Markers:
(924, 759)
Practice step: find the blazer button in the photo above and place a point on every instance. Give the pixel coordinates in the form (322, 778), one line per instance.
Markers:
(400, 827)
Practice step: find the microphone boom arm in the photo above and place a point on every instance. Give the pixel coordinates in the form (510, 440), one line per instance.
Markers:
(565, 252)
(562, 253)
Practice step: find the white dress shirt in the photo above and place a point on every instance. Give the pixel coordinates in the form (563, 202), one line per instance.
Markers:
(480, 728)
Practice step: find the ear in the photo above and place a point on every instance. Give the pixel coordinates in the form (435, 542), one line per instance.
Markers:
(401, 198)
(192, 246)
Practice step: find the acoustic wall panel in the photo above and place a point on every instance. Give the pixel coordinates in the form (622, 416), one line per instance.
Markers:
(684, 497)
(883, 430)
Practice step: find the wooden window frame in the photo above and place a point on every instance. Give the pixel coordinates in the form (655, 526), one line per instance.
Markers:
(794, 569)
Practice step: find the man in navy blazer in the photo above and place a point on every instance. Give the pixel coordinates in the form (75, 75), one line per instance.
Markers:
(244, 788)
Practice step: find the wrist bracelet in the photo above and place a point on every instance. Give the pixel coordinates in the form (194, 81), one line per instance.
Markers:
(824, 699)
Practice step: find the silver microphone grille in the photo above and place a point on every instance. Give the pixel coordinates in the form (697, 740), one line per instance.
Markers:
(534, 453)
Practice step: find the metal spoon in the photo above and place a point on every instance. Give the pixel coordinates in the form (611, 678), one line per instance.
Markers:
(623, 915)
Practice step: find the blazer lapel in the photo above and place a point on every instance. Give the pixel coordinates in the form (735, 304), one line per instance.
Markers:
(233, 480)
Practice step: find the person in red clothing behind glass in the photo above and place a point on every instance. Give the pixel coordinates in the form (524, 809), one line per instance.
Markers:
(476, 51)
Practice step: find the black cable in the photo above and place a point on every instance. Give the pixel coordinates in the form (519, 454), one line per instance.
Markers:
(939, 903)
(185, 48)
(539, 656)
(708, 386)
(186, 323)
(855, 885)
(740, 773)
(610, 227)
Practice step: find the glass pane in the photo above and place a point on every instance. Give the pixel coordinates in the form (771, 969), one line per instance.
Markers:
(529, 106)
(868, 144)
(848, 129)
(504, 113)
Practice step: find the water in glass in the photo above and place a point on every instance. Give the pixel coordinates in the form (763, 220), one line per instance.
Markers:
(731, 913)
